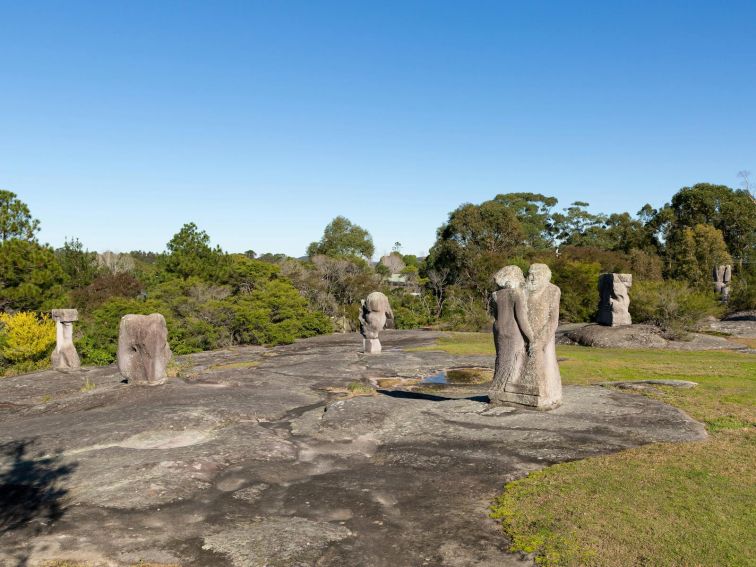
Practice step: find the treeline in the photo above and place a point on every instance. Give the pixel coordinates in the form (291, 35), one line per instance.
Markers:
(213, 299)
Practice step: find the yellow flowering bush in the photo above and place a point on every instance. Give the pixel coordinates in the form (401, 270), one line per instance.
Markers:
(25, 337)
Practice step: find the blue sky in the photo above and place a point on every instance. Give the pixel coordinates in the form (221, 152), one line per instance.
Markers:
(261, 121)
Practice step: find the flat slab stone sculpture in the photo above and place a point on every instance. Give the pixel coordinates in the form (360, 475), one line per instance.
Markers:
(143, 351)
(614, 300)
(375, 312)
(722, 277)
(64, 356)
(526, 317)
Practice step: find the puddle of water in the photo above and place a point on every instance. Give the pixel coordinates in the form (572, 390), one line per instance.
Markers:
(460, 376)
(439, 378)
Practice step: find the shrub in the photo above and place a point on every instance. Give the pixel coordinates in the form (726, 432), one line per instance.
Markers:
(672, 305)
(26, 338)
(743, 293)
(579, 284)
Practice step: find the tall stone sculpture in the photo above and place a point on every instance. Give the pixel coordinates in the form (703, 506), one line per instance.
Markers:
(614, 299)
(527, 372)
(722, 277)
(143, 351)
(64, 356)
(374, 313)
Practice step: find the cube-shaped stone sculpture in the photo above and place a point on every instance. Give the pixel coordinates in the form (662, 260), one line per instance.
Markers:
(65, 357)
(614, 300)
(143, 351)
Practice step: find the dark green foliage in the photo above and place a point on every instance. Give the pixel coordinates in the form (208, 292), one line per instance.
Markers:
(30, 276)
(190, 254)
(15, 218)
(534, 211)
(476, 241)
(579, 284)
(79, 264)
(258, 306)
(411, 311)
(743, 292)
(731, 211)
(343, 239)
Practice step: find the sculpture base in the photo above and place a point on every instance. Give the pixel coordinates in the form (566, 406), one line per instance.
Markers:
(65, 359)
(527, 400)
(371, 346)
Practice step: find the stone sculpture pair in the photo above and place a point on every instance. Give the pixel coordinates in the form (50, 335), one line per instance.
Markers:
(722, 276)
(526, 317)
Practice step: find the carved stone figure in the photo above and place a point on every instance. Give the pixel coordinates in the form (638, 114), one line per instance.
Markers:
(511, 328)
(722, 277)
(539, 383)
(375, 311)
(65, 356)
(614, 300)
(143, 351)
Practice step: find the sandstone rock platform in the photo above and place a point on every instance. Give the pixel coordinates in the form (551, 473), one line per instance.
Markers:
(256, 457)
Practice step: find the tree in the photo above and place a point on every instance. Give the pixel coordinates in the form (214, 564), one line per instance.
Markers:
(577, 227)
(79, 265)
(475, 242)
(15, 219)
(694, 252)
(190, 254)
(30, 276)
(534, 211)
(342, 239)
(731, 211)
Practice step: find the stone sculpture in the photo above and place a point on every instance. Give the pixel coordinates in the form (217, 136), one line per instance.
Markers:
(527, 372)
(722, 276)
(614, 300)
(375, 311)
(143, 351)
(64, 356)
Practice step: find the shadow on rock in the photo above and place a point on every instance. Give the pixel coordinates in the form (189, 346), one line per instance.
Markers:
(31, 488)
(404, 395)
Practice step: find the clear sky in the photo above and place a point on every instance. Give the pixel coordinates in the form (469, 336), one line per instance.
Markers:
(261, 121)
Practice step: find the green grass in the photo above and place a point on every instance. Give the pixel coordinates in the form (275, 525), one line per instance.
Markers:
(664, 504)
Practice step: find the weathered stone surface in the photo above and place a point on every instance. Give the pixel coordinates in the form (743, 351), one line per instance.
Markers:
(512, 332)
(65, 315)
(614, 299)
(143, 351)
(374, 313)
(722, 276)
(371, 346)
(65, 357)
(393, 262)
(251, 458)
(530, 316)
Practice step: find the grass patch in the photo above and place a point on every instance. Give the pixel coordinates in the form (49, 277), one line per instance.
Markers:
(360, 389)
(235, 365)
(469, 375)
(664, 504)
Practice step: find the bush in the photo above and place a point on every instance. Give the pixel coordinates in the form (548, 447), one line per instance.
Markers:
(743, 293)
(579, 284)
(672, 305)
(26, 338)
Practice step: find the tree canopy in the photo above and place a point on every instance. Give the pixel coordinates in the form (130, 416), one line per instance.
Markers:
(342, 238)
(15, 218)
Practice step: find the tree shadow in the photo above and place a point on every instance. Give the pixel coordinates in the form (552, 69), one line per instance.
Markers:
(31, 490)
(405, 395)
